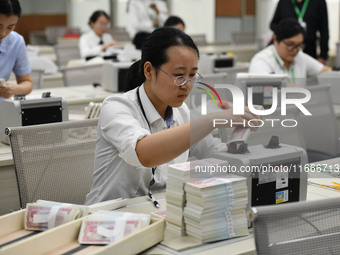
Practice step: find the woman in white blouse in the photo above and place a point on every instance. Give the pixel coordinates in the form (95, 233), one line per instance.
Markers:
(97, 40)
(284, 55)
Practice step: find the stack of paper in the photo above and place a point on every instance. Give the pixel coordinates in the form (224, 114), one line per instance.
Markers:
(93, 110)
(104, 227)
(178, 174)
(44, 215)
(215, 208)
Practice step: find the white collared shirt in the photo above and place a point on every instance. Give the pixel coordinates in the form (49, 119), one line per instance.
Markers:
(89, 43)
(141, 15)
(118, 171)
(268, 61)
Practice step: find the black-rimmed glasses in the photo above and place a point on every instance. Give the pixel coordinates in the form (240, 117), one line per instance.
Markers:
(293, 47)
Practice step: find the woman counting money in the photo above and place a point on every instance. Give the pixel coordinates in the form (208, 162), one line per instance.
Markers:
(142, 130)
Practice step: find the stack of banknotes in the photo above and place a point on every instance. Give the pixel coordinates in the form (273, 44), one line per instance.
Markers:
(105, 227)
(178, 174)
(216, 208)
(44, 215)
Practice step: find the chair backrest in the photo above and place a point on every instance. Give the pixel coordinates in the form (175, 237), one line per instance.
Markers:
(321, 131)
(243, 38)
(199, 39)
(332, 78)
(54, 161)
(337, 56)
(52, 33)
(120, 34)
(311, 227)
(82, 75)
(232, 71)
(65, 53)
(37, 78)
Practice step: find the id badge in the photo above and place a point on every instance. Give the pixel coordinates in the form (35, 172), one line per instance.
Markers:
(303, 24)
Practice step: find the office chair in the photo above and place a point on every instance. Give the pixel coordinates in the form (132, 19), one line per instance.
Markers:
(321, 131)
(54, 161)
(37, 78)
(199, 39)
(120, 34)
(332, 78)
(243, 38)
(52, 33)
(65, 53)
(82, 75)
(301, 228)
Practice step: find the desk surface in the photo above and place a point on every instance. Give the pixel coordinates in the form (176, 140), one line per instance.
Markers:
(76, 94)
(241, 245)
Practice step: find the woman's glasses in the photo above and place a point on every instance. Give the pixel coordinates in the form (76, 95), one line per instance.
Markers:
(182, 80)
(293, 47)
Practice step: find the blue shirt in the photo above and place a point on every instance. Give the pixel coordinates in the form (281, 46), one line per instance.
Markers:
(13, 56)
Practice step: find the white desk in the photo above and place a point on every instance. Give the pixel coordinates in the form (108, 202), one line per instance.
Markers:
(243, 53)
(242, 245)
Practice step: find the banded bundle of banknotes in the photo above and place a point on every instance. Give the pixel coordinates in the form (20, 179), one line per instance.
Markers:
(178, 175)
(44, 215)
(216, 208)
(105, 227)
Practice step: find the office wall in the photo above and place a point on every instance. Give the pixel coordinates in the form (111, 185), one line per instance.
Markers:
(37, 14)
(198, 15)
(43, 6)
(79, 11)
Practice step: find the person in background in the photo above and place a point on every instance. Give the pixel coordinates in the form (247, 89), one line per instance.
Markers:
(176, 22)
(13, 55)
(284, 55)
(145, 16)
(313, 17)
(97, 40)
(142, 130)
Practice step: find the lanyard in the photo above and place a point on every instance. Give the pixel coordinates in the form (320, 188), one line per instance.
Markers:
(152, 182)
(301, 13)
(283, 69)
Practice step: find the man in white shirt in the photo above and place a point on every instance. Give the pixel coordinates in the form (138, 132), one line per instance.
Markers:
(145, 16)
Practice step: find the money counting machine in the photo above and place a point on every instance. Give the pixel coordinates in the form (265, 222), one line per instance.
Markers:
(275, 173)
(210, 63)
(24, 112)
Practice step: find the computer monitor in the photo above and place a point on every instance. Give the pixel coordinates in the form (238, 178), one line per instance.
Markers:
(262, 86)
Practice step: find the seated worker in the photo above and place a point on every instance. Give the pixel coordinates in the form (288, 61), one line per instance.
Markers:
(97, 40)
(176, 22)
(284, 55)
(13, 55)
(142, 130)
